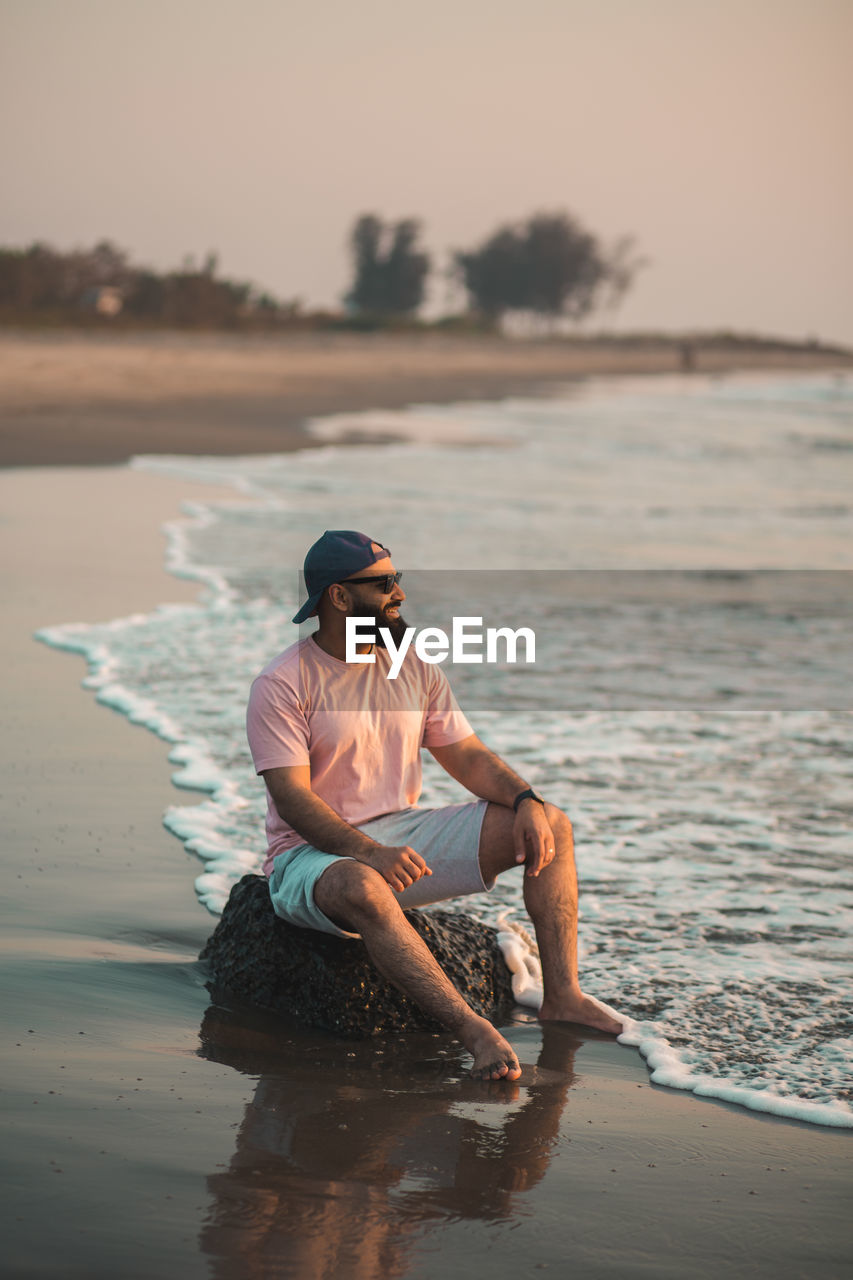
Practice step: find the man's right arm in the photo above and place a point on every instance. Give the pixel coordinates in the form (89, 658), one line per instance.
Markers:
(319, 825)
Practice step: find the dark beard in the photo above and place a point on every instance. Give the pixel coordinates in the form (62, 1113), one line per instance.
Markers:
(396, 626)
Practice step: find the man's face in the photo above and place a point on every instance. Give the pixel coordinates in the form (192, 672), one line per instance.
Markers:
(369, 601)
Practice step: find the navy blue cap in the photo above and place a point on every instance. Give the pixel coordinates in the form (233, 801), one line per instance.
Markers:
(339, 554)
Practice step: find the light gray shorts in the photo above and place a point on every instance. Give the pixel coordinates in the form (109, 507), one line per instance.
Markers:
(447, 839)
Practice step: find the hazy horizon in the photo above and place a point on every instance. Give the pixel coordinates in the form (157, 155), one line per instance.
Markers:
(716, 133)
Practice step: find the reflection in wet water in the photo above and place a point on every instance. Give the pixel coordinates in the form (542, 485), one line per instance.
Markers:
(350, 1155)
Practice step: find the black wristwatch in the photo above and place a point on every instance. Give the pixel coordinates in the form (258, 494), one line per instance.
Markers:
(529, 794)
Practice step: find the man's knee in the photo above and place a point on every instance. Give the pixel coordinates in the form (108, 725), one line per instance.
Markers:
(497, 849)
(560, 825)
(353, 891)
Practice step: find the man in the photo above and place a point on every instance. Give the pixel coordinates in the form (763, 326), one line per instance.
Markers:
(338, 745)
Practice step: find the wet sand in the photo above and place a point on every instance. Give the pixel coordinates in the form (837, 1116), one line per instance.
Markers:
(149, 1134)
(83, 398)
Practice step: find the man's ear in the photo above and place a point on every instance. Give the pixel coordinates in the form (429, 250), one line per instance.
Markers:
(339, 597)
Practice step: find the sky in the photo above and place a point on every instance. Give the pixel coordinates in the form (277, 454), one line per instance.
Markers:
(717, 132)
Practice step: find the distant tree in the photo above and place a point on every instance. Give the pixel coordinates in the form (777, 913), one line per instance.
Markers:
(104, 265)
(86, 271)
(389, 271)
(564, 266)
(406, 269)
(10, 276)
(33, 279)
(366, 293)
(549, 265)
(40, 278)
(147, 295)
(623, 264)
(495, 275)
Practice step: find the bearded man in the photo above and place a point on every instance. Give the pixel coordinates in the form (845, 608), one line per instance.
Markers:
(338, 745)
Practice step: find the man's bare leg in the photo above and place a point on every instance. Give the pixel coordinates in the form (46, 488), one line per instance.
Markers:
(551, 899)
(357, 898)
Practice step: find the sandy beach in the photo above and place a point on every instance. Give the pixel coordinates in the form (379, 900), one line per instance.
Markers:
(90, 398)
(151, 1134)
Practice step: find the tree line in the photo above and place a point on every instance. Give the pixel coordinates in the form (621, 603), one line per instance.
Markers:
(548, 266)
(41, 281)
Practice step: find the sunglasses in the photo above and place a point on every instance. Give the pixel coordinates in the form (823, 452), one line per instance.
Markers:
(388, 582)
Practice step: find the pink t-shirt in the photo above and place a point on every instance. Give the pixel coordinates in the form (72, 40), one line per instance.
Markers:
(360, 732)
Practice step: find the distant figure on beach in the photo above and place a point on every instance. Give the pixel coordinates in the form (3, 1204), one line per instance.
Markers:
(338, 745)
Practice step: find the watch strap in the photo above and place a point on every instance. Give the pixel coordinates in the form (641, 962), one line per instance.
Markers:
(527, 794)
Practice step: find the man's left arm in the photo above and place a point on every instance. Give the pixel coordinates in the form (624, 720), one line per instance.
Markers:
(483, 773)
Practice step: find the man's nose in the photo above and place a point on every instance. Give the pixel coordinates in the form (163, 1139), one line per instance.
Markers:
(398, 593)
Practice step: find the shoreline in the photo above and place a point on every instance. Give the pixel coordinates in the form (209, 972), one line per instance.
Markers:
(167, 1136)
(72, 399)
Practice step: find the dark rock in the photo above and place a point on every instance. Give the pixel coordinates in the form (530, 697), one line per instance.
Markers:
(329, 982)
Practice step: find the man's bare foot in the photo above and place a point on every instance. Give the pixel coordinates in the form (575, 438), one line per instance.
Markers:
(494, 1057)
(584, 1010)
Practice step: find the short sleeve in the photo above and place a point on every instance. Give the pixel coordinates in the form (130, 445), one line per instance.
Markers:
(445, 722)
(276, 726)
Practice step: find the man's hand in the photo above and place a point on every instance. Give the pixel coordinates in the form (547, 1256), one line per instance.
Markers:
(533, 838)
(400, 865)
